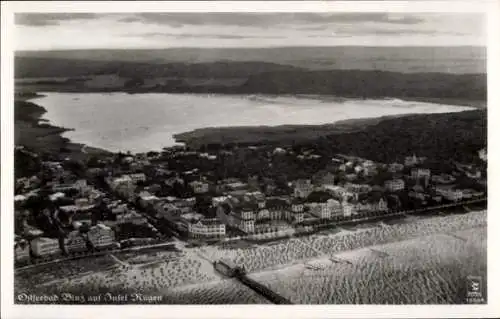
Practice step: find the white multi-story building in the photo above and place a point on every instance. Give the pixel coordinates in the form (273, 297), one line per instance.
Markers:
(298, 211)
(218, 200)
(411, 160)
(358, 188)
(74, 242)
(272, 226)
(76, 208)
(199, 187)
(483, 155)
(394, 185)
(443, 179)
(278, 208)
(21, 250)
(347, 209)
(43, 246)
(417, 173)
(124, 186)
(369, 164)
(131, 217)
(207, 227)
(146, 199)
(335, 207)
(380, 205)
(238, 217)
(81, 186)
(328, 179)
(101, 236)
(395, 167)
(56, 196)
(320, 210)
(139, 177)
(335, 190)
(63, 187)
(114, 182)
(303, 188)
(450, 194)
(82, 202)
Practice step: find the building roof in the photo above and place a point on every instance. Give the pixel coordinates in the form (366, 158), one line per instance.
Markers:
(236, 185)
(45, 240)
(102, 226)
(19, 198)
(73, 208)
(298, 201)
(211, 221)
(125, 178)
(247, 206)
(189, 216)
(276, 203)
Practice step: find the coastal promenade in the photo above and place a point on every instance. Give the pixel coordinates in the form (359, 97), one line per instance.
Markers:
(94, 254)
(374, 215)
(366, 217)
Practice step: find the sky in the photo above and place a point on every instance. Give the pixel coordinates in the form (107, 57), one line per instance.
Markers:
(64, 31)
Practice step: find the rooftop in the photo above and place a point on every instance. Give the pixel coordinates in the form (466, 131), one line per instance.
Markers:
(45, 239)
(190, 216)
(211, 221)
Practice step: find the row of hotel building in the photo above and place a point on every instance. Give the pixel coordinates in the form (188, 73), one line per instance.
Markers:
(98, 237)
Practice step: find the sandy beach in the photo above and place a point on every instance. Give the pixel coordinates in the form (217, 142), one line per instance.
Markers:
(430, 269)
(429, 257)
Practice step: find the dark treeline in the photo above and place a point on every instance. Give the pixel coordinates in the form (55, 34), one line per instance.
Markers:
(440, 137)
(261, 78)
(32, 67)
(27, 111)
(355, 83)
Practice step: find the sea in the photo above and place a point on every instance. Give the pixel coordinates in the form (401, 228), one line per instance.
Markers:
(146, 122)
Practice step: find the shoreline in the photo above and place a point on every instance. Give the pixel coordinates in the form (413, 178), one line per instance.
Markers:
(341, 255)
(475, 103)
(32, 127)
(303, 131)
(348, 263)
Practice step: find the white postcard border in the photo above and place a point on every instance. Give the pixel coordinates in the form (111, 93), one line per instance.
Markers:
(247, 311)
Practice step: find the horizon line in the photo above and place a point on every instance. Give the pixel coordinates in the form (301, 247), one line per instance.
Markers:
(264, 47)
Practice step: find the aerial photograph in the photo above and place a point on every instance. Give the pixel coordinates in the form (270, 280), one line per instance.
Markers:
(250, 158)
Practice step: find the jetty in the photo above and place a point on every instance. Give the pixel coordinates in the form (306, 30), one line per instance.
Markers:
(227, 268)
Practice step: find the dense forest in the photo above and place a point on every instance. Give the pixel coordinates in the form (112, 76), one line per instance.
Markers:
(257, 78)
(439, 137)
(354, 83)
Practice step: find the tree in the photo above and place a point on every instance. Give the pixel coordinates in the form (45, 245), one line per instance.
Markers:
(76, 167)
(38, 202)
(94, 161)
(152, 154)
